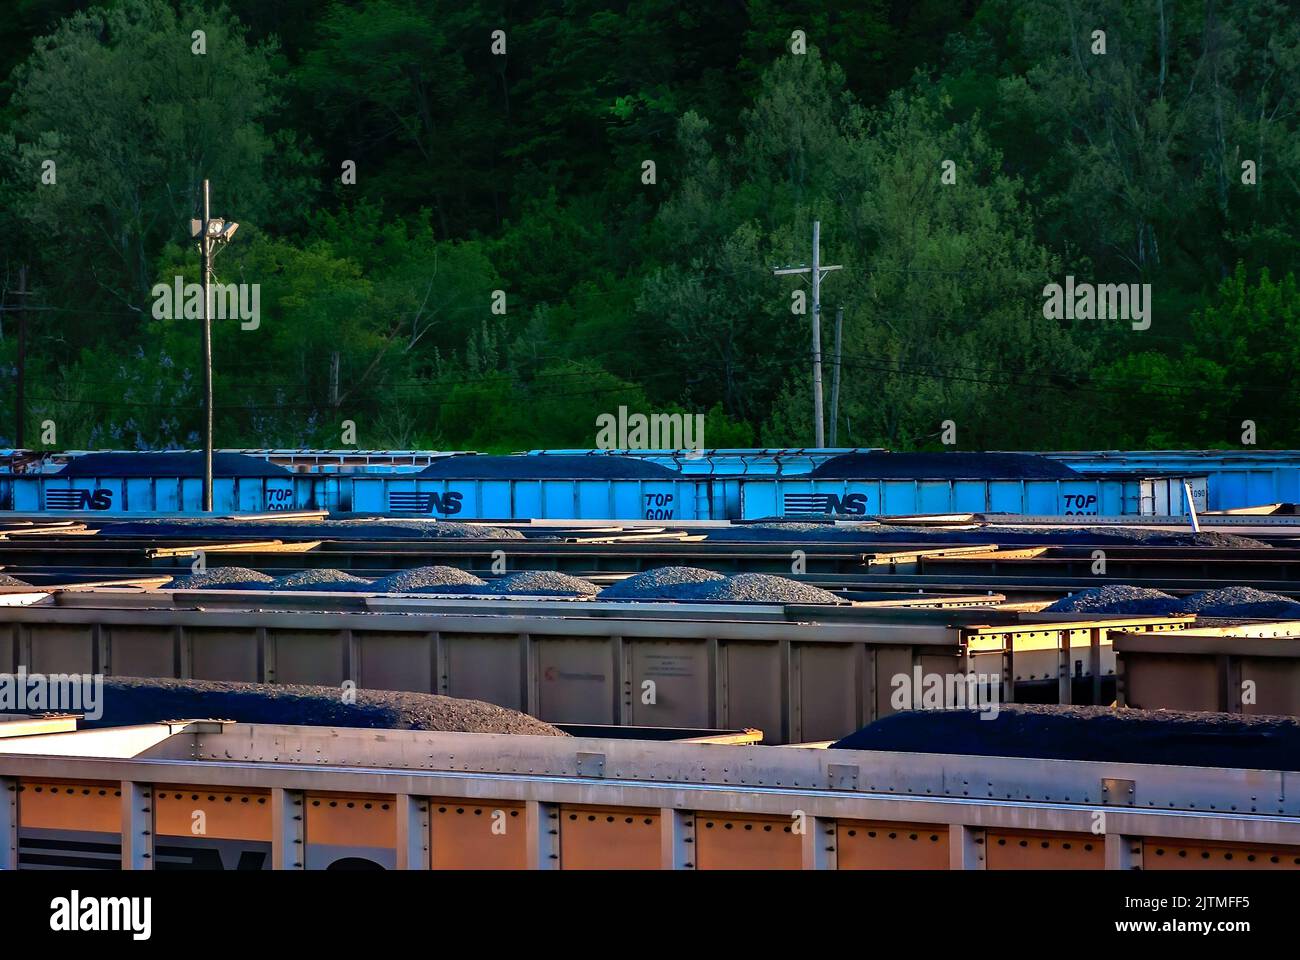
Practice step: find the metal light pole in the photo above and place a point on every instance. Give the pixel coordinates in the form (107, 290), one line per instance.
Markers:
(210, 232)
(207, 353)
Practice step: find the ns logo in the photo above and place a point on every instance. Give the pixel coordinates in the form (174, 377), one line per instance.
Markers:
(412, 501)
(98, 499)
(851, 504)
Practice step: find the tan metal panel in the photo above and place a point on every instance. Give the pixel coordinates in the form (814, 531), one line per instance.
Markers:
(484, 667)
(7, 648)
(609, 838)
(308, 657)
(222, 654)
(348, 820)
(750, 674)
(395, 661)
(1009, 850)
(62, 649)
(68, 805)
(575, 682)
(868, 845)
(464, 837)
(826, 680)
(1190, 855)
(227, 814)
(680, 672)
(747, 843)
(1153, 681)
(142, 651)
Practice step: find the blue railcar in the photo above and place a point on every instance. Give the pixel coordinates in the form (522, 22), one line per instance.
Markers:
(537, 488)
(725, 461)
(606, 486)
(882, 484)
(1237, 478)
(1085, 497)
(120, 483)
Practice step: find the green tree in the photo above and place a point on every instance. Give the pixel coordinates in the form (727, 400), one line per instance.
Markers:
(1238, 364)
(133, 120)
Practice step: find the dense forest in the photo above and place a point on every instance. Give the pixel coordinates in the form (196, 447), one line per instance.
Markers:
(483, 224)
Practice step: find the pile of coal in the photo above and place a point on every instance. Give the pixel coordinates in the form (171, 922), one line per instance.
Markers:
(1242, 602)
(137, 700)
(762, 587)
(334, 581)
(541, 583)
(219, 578)
(426, 579)
(1181, 538)
(661, 583)
(690, 583)
(950, 465)
(1225, 603)
(1118, 598)
(1090, 733)
(361, 528)
(550, 466)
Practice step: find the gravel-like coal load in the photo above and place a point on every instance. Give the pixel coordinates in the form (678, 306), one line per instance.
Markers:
(804, 531)
(1117, 598)
(8, 581)
(764, 587)
(1090, 733)
(594, 467)
(1227, 602)
(542, 583)
(133, 700)
(872, 533)
(428, 529)
(326, 579)
(1241, 602)
(426, 578)
(941, 465)
(661, 583)
(218, 578)
(169, 464)
(809, 526)
(1174, 538)
(363, 528)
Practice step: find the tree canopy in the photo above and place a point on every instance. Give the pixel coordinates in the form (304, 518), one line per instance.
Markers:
(484, 224)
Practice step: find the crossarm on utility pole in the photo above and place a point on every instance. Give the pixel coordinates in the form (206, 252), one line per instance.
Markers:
(817, 273)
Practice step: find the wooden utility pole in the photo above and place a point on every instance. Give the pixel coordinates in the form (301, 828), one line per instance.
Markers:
(817, 272)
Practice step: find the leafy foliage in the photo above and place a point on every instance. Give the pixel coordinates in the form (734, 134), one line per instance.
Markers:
(501, 272)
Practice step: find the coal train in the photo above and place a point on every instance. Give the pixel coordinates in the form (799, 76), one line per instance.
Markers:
(546, 485)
